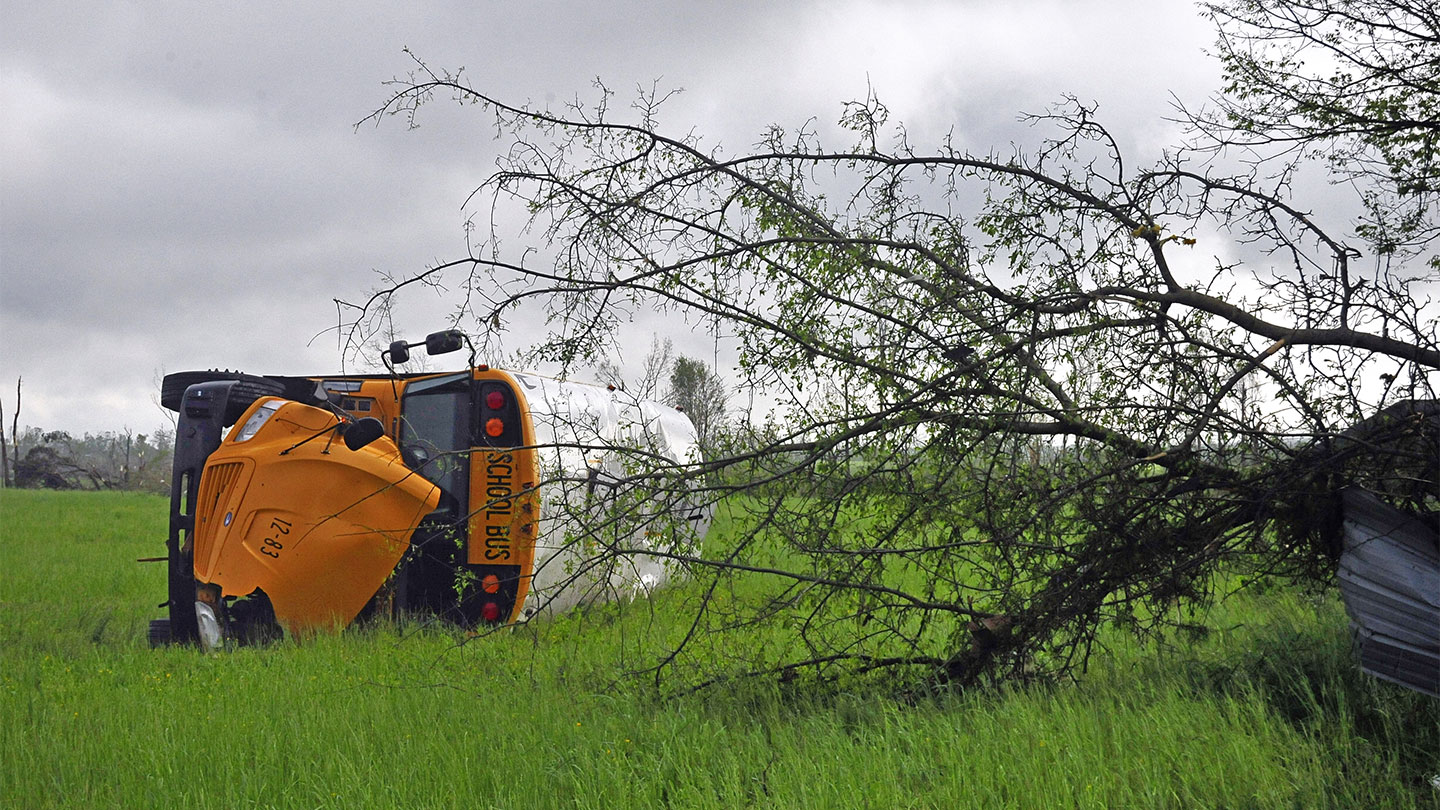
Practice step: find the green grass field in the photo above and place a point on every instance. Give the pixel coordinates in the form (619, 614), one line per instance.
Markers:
(1268, 713)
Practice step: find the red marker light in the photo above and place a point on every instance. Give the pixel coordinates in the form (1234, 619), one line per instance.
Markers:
(494, 427)
(490, 611)
(495, 400)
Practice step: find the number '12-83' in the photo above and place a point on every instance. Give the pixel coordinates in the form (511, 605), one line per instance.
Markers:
(278, 529)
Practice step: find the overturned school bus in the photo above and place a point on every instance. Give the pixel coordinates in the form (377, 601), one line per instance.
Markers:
(457, 494)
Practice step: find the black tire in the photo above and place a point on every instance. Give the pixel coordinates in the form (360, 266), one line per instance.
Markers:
(248, 388)
(300, 389)
(160, 632)
(252, 620)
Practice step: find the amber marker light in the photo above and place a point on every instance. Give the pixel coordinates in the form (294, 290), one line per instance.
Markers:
(494, 427)
(490, 584)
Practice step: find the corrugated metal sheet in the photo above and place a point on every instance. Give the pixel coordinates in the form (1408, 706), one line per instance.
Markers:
(1390, 580)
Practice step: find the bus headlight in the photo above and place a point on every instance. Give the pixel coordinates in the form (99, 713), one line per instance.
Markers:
(210, 635)
(257, 420)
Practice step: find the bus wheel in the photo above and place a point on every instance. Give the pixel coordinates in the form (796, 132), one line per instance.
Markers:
(160, 632)
(246, 390)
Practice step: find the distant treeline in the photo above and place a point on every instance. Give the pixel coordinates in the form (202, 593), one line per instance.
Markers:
(111, 460)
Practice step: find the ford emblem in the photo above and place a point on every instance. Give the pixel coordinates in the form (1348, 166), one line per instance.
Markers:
(228, 517)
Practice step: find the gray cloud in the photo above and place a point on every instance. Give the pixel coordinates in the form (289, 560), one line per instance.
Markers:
(184, 186)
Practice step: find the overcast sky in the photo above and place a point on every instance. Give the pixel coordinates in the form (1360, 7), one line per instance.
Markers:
(183, 186)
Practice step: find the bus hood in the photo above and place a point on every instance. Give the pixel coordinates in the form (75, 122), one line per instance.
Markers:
(285, 507)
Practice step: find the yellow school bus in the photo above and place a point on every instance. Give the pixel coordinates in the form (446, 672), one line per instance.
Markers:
(303, 503)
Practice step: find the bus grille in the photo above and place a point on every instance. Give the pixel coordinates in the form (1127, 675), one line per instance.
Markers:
(215, 489)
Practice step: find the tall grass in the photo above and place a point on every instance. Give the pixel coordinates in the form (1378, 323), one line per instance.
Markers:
(1267, 714)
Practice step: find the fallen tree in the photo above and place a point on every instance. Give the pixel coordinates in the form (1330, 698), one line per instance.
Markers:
(1018, 397)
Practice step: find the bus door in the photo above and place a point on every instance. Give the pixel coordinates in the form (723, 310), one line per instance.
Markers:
(436, 415)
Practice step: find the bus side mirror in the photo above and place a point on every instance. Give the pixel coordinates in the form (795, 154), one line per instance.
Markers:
(444, 342)
(414, 456)
(362, 432)
(399, 352)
